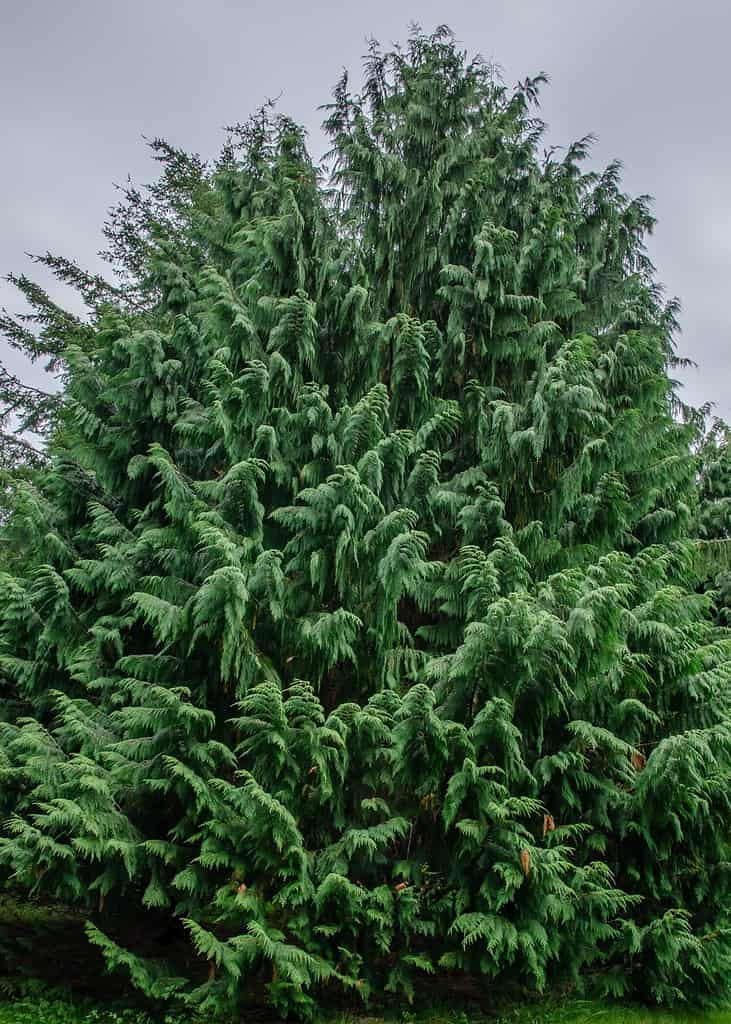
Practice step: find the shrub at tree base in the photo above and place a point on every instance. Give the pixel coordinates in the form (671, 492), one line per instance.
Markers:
(354, 620)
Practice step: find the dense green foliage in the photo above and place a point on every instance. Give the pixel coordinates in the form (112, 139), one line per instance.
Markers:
(714, 514)
(355, 621)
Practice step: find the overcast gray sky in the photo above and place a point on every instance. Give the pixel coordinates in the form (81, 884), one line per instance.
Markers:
(81, 81)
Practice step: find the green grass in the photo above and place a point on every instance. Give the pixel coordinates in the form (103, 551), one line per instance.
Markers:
(48, 1010)
(31, 1010)
(595, 1013)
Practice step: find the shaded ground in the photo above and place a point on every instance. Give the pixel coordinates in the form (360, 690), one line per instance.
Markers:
(47, 943)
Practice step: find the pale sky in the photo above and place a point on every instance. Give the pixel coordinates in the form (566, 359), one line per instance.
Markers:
(82, 81)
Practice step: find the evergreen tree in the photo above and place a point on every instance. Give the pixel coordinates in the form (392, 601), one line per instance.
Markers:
(714, 514)
(353, 622)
